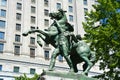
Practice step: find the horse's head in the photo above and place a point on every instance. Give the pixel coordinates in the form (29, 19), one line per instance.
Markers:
(58, 15)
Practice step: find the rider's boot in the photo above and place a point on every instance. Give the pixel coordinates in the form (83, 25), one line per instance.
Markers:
(52, 63)
(51, 66)
(69, 63)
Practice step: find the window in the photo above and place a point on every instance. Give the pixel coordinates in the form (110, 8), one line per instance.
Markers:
(2, 24)
(85, 2)
(46, 3)
(32, 71)
(3, 13)
(18, 16)
(70, 9)
(1, 79)
(103, 21)
(3, 2)
(2, 35)
(18, 27)
(58, 6)
(17, 50)
(1, 47)
(17, 38)
(118, 10)
(19, 6)
(0, 67)
(71, 18)
(33, 1)
(70, 1)
(32, 40)
(85, 10)
(46, 12)
(85, 18)
(46, 54)
(117, 0)
(96, 1)
(32, 52)
(60, 58)
(33, 9)
(46, 22)
(33, 19)
(16, 69)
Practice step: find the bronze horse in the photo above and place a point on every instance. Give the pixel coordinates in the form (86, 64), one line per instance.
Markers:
(79, 51)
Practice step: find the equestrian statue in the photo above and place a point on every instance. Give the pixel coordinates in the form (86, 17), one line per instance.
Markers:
(60, 35)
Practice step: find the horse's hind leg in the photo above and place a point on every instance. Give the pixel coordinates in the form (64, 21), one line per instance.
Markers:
(89, 64)
(85, 67)
(75, 67)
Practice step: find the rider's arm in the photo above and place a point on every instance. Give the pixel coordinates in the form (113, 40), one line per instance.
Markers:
(58, 26)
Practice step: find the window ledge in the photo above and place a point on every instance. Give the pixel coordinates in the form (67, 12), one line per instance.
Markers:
(2, 16)
(17, 43)
(46, 48)
(32, 45)
(2, 41)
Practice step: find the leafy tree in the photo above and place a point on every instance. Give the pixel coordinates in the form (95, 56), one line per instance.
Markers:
(24, 77)
(105, 38)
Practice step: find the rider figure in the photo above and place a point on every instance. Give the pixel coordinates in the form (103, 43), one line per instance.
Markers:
(62, 44)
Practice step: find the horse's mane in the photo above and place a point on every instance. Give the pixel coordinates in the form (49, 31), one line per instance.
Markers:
(70, 27)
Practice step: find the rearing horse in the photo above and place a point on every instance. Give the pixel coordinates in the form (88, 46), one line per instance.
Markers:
(80, 51)
(49, 35)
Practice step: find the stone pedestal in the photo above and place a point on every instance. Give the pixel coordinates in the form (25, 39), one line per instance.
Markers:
(55, 75)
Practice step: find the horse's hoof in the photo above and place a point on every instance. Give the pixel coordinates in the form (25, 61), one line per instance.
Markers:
(50, 69)
(24, 34)
(71, 70)
(83, 73)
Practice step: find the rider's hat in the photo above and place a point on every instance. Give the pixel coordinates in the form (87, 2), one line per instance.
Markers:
(79, 37)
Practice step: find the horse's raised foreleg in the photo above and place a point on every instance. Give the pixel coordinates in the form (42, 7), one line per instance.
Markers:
(45, 33)
(39, 36)
(36, 30)
(28, 32)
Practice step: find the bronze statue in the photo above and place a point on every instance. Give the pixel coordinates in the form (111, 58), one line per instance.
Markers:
(60, 36)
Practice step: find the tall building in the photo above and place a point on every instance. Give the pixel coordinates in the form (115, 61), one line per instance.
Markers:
(19, 54)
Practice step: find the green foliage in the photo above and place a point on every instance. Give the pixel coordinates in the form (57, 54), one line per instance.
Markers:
(24, 77)
(105, 38)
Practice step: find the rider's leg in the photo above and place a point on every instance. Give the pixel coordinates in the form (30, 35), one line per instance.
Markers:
(38, 40)
(66, 56)
(53, 58)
